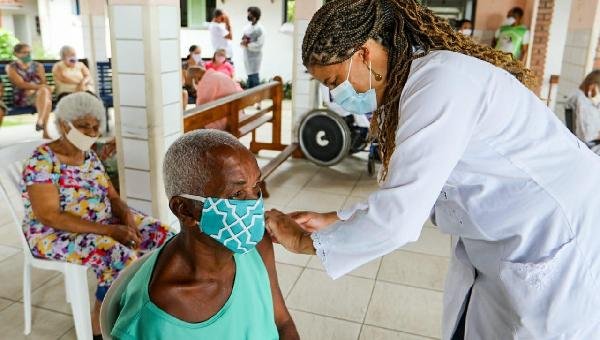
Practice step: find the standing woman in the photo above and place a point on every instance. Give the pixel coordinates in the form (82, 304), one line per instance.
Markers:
(462, 138)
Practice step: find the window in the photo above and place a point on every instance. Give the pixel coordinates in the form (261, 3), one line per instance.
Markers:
(289, 9)
(196, 13)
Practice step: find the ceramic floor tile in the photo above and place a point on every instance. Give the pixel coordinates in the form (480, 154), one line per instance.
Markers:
(331, 181)
(6, 252)
(292, 173)
(414, 269)
(346, 298)
(11, 277)
(317, 327)
(316, 201)
(364, 187)
(5, 303)
(70, 335)
(368, 271)
(287, 275)
(376, 333)
(407, 309)
(9, 236)
(431, 242)
(52, 294)
(281, 195)
(286, 257)
(44, 325)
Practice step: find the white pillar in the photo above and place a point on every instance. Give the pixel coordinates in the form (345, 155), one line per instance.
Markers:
(93, 23)
(303, 89)
(147, 91)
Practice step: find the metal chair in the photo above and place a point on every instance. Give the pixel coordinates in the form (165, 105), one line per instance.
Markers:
(76, 287)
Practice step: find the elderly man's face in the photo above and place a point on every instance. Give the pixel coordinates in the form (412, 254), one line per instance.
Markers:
(236, 174)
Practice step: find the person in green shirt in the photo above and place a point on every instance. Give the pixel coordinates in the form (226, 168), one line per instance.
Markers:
(216, 279)
(513, 37)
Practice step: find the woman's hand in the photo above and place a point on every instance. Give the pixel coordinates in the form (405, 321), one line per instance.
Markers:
(314, 221)
(285, 231)
(126, 235)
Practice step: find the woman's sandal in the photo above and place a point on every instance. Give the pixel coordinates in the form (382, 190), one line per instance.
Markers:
(39, 127)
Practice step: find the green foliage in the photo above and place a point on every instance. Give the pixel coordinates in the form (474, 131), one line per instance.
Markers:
(38, 52)
(291, 10)
(7, 43)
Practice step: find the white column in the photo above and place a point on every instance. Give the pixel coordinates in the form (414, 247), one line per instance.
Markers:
(580, 46)
(93, 23)
(304, 93)
(147, 89)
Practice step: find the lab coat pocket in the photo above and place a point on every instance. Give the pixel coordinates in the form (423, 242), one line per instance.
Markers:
(553, 295)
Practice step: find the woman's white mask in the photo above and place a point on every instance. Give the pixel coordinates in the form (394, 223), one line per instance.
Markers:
(596, 98)
(80, 140)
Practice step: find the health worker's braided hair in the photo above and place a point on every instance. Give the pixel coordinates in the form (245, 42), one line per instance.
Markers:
(341, 27)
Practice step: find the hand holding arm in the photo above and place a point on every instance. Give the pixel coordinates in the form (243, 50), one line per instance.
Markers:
(288, 233)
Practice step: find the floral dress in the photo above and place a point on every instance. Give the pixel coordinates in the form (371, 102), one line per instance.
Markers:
(83, 192)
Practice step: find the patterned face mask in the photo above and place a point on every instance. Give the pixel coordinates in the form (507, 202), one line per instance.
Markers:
(237, 224)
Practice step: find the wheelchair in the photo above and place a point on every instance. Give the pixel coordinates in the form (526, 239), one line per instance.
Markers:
(326, 138)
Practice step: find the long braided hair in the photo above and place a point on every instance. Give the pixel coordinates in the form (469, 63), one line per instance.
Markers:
(341, 27)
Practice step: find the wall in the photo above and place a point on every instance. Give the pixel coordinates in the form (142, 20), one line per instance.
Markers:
(540, 40)
(490, 14)
(27, 31)
(580, 46)
(597, 61)
(278, 48)
(64, 27)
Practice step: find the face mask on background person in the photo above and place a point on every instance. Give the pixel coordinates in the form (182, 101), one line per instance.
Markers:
(346, 96)
(509, 21)
(250, 18)
(80, 140)
(197, 57)
(72, 60)
(237, 224)
(26, 59)
(466, 31)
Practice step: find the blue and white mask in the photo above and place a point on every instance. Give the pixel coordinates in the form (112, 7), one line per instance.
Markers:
(346, 96)
(237, 224)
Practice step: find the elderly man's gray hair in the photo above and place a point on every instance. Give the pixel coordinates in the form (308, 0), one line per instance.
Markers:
(185, 169)
(64, 50)
(78, 105)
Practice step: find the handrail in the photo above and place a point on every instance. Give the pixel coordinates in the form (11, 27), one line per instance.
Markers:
(230, 98)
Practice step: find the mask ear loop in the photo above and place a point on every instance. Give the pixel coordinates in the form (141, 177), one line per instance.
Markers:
(370, 76)
(349, 68)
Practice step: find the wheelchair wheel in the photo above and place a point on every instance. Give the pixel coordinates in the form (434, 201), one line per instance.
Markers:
(324, 137)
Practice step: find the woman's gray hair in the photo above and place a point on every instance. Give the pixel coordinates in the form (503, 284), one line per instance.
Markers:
(185, 167)
(64, 50)
(78, 105)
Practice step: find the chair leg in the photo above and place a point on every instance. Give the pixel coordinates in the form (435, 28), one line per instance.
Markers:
(27, 296)
(80, 301)
(67, 290)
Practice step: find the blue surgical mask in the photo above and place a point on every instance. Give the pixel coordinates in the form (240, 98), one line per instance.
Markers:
(346, 96)
(237, 224)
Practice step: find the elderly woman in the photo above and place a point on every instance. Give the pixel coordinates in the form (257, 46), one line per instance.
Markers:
(71, 75)
(219, 63)
(72, 212)
(30, 88)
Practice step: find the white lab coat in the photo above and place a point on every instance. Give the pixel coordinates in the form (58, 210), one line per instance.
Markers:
(218, 32)
(520, 193)
(253, 52)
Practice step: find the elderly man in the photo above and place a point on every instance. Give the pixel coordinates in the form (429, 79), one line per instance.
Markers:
(217, 278)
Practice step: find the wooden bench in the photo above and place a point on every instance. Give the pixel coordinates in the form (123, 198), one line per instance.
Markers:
(230, 106)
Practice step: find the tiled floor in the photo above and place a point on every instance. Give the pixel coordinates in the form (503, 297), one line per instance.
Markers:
(396, 297)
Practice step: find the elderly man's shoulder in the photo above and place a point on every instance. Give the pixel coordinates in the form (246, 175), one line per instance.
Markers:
(265, 249)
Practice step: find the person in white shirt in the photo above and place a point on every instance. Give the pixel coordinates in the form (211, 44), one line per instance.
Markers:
(221, 32)
(252, 43)
(586, 106)
(465, 140)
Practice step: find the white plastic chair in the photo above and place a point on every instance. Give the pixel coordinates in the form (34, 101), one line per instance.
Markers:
(11, 166)
(109, 311)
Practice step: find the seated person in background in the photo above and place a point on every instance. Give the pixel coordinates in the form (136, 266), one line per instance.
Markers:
(217, 278)
(29, 85)
(3, 108)
(466, 27)
(585, 104)
(212, 85)
(194, 58)
(72, 212)
(71, 75)
(219, 63)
